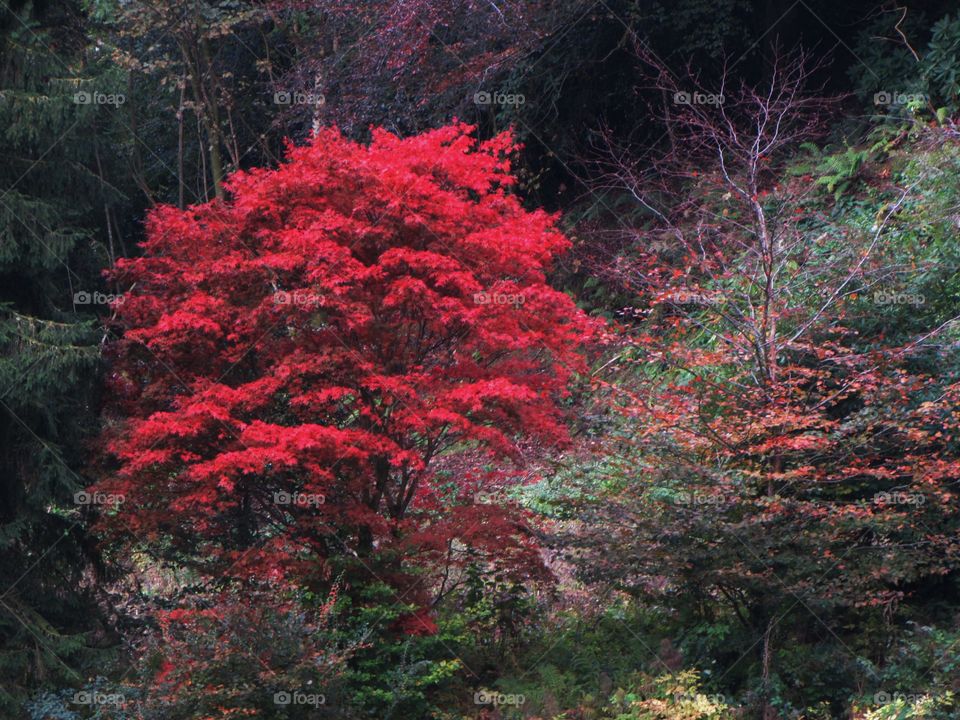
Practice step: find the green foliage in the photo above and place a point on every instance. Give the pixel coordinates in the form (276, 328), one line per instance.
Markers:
(577, 659)
(393, 676)
(97, 699)
(837, 171)
(920, 708)
(922, 287)
(54, 200)
(666, 697)
(941, 63)
(840, 170)
(885, 63)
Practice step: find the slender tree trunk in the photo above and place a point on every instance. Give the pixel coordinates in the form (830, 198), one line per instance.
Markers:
(180, 178)
(214, 131)
(768, 711)
(209, 115)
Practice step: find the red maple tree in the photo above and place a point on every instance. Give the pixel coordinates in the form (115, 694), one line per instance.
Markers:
(296, 361)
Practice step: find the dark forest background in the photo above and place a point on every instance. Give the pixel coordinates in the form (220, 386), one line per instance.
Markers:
(111, 109)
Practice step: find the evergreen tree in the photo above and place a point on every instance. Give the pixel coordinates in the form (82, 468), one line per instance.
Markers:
(54, 205)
